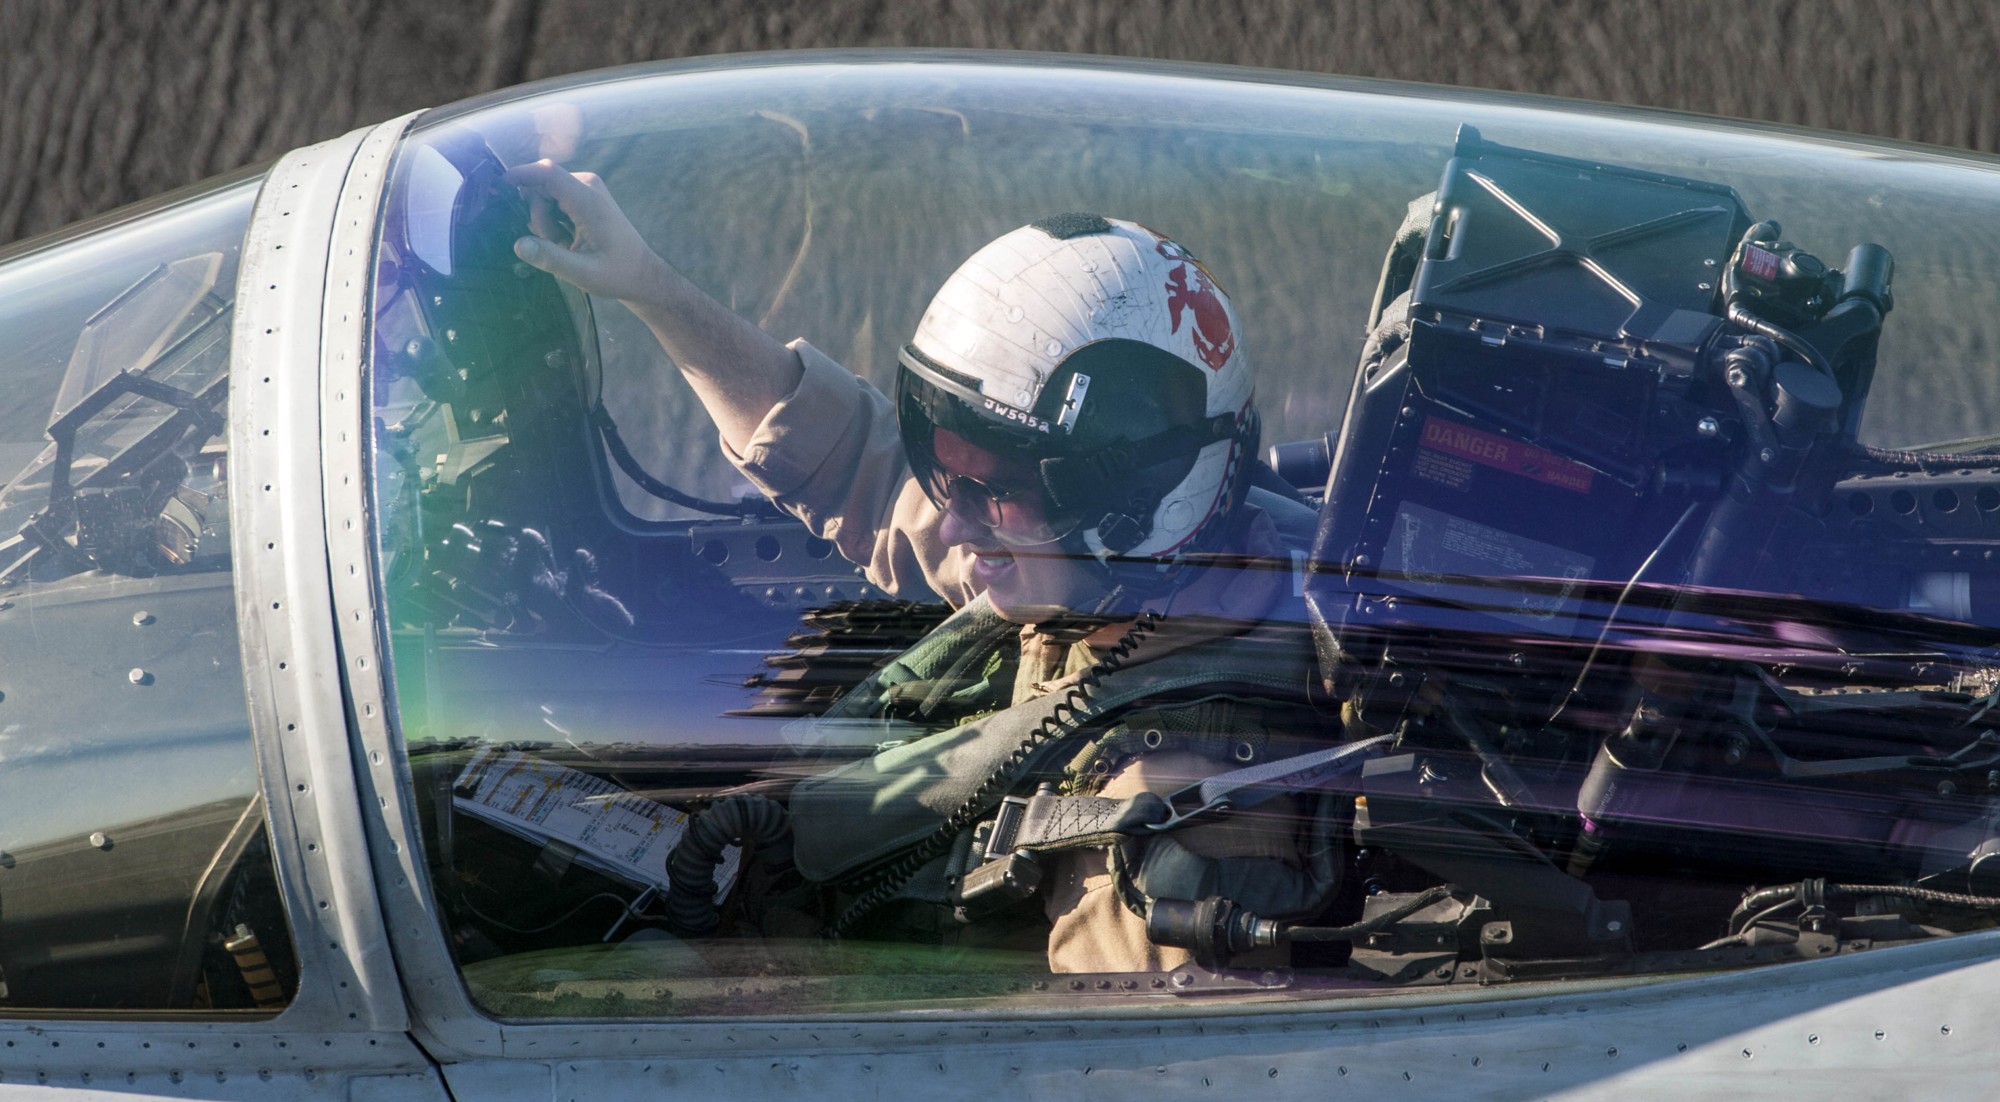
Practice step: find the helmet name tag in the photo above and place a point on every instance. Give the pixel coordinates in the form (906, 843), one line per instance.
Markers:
(1008, 412)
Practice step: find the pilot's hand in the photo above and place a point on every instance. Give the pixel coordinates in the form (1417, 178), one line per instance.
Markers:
(601, 253)
(737, 370)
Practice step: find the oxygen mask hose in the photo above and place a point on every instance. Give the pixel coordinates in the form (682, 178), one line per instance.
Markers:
(730, 821)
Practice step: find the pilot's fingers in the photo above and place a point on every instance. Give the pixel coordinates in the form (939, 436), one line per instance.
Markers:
(544, 174)
(554, 259)
(542, 217)
(571, 191)
(579, 233)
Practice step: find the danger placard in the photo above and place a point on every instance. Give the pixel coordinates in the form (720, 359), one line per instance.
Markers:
(1502, 454)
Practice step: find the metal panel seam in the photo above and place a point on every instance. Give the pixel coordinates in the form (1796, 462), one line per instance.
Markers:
(442, 1010)
(287, 644)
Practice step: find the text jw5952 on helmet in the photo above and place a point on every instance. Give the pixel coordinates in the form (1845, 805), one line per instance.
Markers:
(1106, 356)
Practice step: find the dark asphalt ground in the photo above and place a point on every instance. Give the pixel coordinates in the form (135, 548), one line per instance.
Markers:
(107, 101)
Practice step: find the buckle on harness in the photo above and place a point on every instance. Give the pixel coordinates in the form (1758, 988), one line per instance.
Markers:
(1025, 826)
(1007, 826)
(999, 882)
(1006, 874)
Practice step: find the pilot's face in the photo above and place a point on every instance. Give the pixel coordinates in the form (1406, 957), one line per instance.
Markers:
(996, 511)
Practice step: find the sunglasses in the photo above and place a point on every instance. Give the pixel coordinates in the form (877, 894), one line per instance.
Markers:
(1012, 515)
(977, 501)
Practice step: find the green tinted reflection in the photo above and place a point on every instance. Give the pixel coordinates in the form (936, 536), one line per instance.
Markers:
(1533, 585)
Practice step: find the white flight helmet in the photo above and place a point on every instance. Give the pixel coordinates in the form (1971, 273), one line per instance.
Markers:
(1107, 355)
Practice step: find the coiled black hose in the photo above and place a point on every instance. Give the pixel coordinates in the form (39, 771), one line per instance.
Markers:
(1075, 709)
(730, 821)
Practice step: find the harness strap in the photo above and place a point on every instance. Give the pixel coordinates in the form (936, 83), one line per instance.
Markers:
(1047, 822)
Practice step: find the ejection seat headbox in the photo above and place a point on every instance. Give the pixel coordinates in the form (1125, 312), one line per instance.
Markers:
(1554, 320)
(1576, 385)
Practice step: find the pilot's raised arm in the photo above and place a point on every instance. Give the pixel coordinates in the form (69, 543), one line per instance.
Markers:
(1070, 441)
(819, 440)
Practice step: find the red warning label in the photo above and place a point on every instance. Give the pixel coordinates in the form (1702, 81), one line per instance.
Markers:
(1507, 455)
(1761, 263)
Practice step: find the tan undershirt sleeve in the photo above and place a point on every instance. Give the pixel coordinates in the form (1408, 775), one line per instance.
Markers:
(830, 455)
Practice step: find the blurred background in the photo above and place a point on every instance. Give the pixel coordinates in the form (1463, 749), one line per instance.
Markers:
(106, 101)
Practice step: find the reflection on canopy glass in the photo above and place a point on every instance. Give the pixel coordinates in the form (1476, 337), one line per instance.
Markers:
(134, 867)
(1619, 614)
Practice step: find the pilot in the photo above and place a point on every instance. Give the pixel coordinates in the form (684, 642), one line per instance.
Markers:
(1069, 448)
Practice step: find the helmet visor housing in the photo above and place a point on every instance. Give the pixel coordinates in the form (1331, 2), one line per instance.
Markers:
(982, 466)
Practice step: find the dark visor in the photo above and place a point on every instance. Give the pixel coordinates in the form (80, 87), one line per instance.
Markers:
(929, 401)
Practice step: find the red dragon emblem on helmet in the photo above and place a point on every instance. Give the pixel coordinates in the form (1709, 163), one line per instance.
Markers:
(1191, 290)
